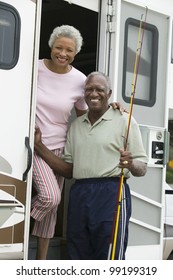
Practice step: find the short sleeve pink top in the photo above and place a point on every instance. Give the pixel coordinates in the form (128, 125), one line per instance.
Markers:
(56, 96)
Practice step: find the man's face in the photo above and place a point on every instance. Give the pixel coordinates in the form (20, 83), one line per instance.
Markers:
(97, 93)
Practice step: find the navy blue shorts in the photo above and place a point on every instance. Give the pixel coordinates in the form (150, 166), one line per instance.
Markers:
(91, 214)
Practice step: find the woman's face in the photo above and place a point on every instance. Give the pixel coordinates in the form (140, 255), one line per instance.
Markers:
(63, 51)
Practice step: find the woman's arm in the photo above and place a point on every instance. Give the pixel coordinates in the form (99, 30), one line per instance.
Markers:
(57, 164)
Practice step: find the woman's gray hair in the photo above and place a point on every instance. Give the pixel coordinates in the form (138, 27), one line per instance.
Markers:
(69, 32)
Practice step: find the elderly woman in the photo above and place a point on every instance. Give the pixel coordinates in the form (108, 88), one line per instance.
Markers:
(60, 89)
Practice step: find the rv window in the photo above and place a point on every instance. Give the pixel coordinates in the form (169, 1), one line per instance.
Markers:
(145, 91)
(9, 36)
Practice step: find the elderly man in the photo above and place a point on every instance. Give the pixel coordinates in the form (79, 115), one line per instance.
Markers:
(95, 157)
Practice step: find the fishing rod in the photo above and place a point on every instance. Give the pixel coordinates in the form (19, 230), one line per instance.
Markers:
(112, 246)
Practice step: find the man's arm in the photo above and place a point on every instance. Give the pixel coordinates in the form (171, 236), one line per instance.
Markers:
(136, 167)
(57, 164)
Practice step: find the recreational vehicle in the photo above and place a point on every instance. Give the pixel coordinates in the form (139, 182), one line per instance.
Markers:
(110, 32)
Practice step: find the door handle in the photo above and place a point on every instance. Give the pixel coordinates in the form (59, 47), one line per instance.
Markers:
(29, 161)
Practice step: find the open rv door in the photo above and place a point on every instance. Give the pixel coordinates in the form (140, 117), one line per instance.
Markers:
(119, 25)
(19, 33)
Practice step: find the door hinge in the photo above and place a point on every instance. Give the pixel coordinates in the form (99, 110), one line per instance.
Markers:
(110, 16)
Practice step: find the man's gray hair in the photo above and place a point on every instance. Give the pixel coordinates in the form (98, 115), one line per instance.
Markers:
(97, 73)
(69, 32)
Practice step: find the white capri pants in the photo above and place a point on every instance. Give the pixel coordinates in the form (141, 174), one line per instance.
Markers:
(44, 204)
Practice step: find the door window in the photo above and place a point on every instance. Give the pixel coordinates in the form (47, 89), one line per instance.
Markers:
(145, 91)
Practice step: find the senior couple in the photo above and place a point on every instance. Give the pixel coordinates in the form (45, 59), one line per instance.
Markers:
(94, 156)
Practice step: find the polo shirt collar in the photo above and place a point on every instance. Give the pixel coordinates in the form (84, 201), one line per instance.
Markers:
(106, 116)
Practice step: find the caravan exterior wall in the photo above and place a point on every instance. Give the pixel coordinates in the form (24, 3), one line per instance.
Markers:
(17, 67)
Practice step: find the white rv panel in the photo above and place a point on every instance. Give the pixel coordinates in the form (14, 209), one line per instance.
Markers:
(16, 94)
(17, 118)
(89, 4)
(117, 38)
